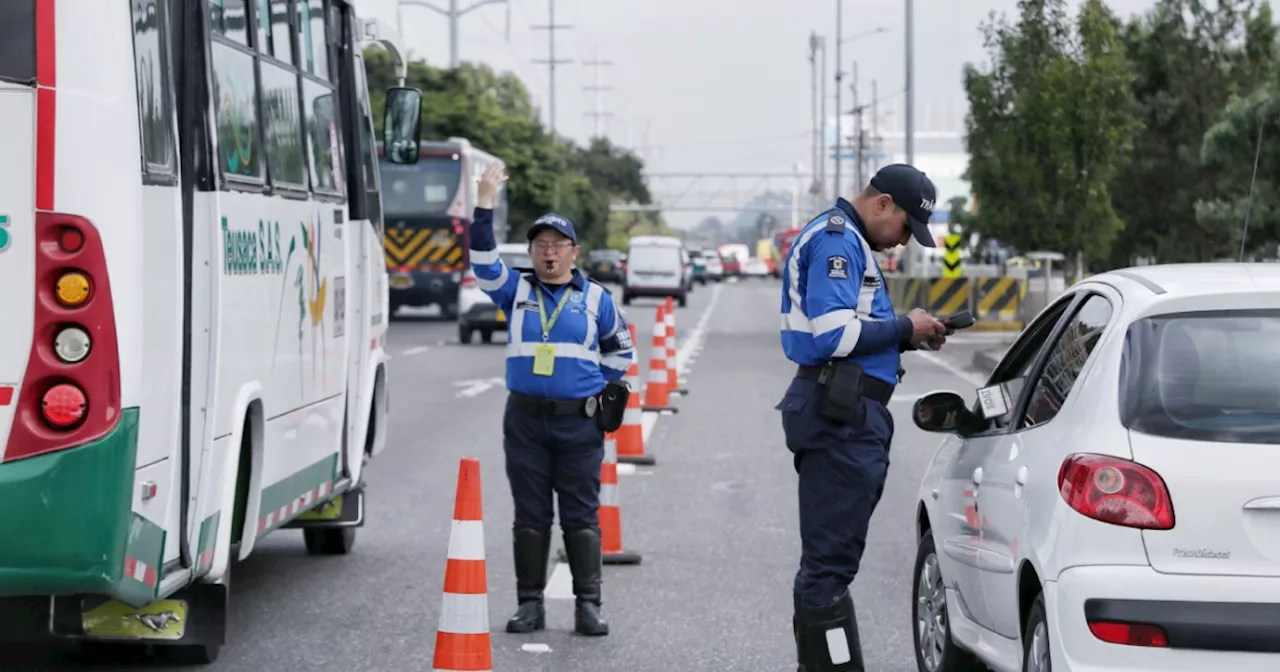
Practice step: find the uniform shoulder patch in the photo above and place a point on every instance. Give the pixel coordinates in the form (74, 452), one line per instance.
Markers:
(838, 267)
(836, 224)
(624, 339)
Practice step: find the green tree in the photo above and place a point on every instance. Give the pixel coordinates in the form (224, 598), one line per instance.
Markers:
(1050, 123)
(1229, 151)
(1189, 59)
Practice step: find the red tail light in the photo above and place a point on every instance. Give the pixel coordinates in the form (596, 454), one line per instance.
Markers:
(457, 227)
(468, 280)
(1129, 634)
(1116, 491)
(70, 394)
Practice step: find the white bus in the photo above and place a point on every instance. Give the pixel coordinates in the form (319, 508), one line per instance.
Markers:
(194, 303)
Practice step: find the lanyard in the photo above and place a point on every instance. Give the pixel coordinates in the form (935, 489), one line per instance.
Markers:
(547, 324)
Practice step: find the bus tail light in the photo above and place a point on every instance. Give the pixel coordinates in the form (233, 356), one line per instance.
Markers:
(70, 393)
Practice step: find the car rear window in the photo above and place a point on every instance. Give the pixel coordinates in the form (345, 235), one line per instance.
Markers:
(654, 256)
(18, 41)
(1206, 376)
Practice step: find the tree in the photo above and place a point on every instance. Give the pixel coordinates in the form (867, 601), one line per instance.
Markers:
(1230, 148)
(493, 111)
(1189, 60)
(1049, 125)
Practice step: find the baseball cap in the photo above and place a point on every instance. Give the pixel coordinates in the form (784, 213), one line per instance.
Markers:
(912, 191)
(553, 221)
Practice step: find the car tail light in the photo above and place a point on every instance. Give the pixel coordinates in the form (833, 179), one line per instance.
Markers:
(457, 227)
(468, 280)
(1129, 634)
(1115, 491)
(70, 393)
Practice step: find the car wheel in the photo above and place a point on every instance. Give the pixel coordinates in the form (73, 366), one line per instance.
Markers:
(1035, 640)
(930, 623)
(464, 334)
(486, 336)
(683, 300)
(626, 299)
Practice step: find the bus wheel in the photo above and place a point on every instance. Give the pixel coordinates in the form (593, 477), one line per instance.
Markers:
(329, 540)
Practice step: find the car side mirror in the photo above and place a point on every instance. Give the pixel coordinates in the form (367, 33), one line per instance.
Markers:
(402, 125)
(941, 412)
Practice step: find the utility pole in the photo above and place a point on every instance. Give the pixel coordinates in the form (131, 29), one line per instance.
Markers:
(816, 187)
(453, 14)
(552, 62)
(839, 74)
(599, 114)
(910, 129)
(856, 138)
(875, 126)
(822, 164)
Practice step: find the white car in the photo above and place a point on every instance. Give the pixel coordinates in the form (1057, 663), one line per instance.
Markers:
(1111, 500)
(714, 269)
(475, 311)
(756, 268)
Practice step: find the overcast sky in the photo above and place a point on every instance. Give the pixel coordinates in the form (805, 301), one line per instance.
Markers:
(715, 85)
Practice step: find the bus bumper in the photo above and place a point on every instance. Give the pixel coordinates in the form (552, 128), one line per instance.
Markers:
(67, 517)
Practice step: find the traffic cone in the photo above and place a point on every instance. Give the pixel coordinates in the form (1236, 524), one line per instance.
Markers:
(656, 392)
(629, 439)
(610, 513)
(673, 360)
(462, 640)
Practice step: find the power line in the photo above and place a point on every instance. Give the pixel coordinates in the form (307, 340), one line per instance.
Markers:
(551, 62)
(599, 114)
(453, 13)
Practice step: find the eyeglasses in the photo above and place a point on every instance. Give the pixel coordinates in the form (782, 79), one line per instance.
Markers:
(558, 246)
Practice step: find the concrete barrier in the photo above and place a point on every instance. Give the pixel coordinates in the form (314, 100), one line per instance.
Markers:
(994, 301)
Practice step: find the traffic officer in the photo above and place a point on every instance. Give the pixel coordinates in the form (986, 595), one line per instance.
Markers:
(839, 326)
(565, 341)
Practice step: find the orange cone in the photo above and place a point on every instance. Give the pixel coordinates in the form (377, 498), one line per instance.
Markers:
(462, 640)
(610, 512)
(656, 392)
(673, 360)
(629, 439)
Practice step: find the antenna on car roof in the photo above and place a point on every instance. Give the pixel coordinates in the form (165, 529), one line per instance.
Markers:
(1249, 206)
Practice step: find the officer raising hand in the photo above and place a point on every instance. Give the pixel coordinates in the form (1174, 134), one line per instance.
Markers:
(568, 348)
(839, 326)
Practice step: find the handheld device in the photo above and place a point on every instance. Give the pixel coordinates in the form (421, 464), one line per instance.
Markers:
(960, 320)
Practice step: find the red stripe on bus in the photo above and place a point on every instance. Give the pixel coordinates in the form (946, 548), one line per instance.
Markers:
(6, 395)
(46, 101)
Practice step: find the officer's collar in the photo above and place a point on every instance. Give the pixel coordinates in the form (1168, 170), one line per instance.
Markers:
(847, 208)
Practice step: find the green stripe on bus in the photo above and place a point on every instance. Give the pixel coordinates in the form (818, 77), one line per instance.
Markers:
(292, 487)
(146, 541)
(208, 533)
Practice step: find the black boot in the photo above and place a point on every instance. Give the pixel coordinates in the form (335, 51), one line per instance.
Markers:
(531, 549)
(811, 627)
(585, 563)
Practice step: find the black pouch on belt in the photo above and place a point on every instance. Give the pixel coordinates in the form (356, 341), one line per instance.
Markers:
(841, 397)
(613, 404)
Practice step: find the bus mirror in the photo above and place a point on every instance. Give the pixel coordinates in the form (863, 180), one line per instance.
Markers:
(402, 125)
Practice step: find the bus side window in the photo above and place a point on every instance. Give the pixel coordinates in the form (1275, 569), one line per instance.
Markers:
(320, 100)
(368, 151)
(155, 90)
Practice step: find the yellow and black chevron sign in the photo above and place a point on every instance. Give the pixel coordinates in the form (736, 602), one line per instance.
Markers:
(407, 248)
(999, 298)
(948, 295)
(951, 256)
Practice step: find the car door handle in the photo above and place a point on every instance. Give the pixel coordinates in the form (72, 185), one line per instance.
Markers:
(977, 476)
(1022, 476)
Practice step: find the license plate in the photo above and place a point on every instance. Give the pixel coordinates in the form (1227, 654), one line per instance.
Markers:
(401, 281)
(603, 267)
(501, 316)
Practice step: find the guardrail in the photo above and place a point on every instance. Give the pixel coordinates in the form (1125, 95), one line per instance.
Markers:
(994, 301)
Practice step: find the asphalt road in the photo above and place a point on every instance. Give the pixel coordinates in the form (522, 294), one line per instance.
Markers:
(715, 521)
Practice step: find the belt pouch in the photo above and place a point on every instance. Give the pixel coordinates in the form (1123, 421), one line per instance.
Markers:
(841, 398)
(613, 405)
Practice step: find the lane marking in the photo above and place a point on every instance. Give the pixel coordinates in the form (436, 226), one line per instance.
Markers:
(949, 367)
(478, 386)
(560, 585)
(415, 351)
(684, 356)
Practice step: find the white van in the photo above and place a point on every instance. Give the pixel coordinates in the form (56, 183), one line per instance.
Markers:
(657, 266)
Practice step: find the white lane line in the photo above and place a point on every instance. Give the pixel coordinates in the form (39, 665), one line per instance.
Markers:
(415, 351)
(949, 367)
(685, 355)
(560, 585)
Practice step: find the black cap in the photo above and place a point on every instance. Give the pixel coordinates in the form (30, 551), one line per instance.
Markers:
(557, 222)
(912, 191)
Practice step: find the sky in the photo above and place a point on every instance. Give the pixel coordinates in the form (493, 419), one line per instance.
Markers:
(722, 86)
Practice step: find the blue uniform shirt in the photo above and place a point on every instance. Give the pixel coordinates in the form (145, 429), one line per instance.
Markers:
(834, 301)
(592, 342)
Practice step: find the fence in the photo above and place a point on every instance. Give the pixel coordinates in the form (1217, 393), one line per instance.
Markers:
(994, 301)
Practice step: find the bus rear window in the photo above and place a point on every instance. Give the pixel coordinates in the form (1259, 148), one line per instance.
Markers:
(1204, 376)
(425, 188)
(18, 41)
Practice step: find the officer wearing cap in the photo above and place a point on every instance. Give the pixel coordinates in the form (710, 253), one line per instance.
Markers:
(839, 326)
(565, 341)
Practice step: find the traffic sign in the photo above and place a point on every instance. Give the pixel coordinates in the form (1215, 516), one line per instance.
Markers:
(951, 256)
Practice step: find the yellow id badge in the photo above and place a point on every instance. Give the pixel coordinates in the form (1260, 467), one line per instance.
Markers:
(544, 360)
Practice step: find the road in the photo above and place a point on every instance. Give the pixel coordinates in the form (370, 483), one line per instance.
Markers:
(715, 520)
